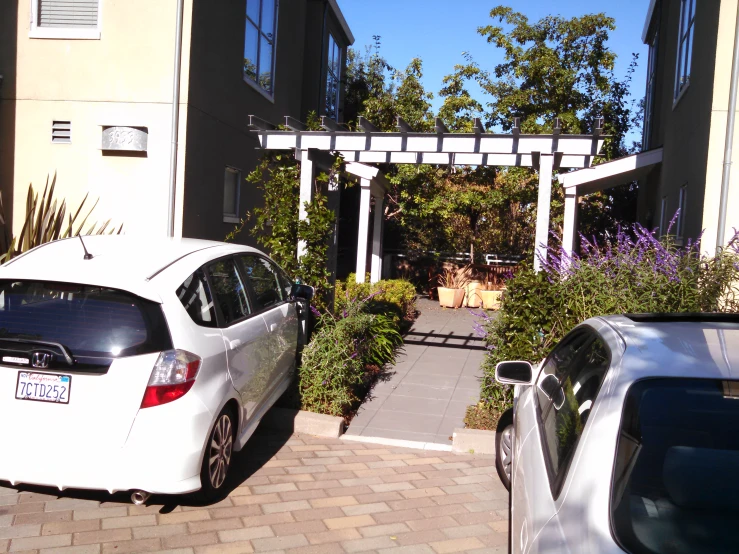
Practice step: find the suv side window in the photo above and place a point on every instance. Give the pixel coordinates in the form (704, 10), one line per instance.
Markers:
(194, 293)
(572, 400)
(229, 289)
(264, 281)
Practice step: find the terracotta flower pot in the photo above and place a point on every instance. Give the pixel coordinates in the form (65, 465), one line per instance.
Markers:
(472, 298)
(450, 298)
(491, 299)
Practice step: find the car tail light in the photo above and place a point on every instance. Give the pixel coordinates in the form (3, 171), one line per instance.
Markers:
(173, 375)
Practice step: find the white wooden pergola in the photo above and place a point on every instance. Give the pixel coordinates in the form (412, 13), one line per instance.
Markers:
(545, 153)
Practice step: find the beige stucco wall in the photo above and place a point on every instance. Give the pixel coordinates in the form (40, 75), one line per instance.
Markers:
(124, 78)
(719, 111)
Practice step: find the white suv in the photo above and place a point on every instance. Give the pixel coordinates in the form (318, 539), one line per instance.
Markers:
(140, 364)
(627, 438)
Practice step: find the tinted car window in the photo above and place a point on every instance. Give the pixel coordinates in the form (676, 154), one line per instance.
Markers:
(264, 280)
(194, 293)
(559, 362)
(229, 290)
(88, 321)
(674, 486)
(572, 395)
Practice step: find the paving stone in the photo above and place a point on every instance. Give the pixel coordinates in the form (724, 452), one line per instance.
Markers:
(129, 521)
(159, 531)
(111, 535)
(301, 527)
(244, 547)
(34, 543)
(38, 517)
(278, 543)
(186, 541)
(63, 527)
(336, 501)
(370, 543)
(236, 535)
(333, 536)
(420, 537)
(143, 545)
(349, 522)
(456, 545)
(214, 525)
(183, 517)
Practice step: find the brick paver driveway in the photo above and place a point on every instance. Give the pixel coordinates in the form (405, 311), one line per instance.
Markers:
(288, 494)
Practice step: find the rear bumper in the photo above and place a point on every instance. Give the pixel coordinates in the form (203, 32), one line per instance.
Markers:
(159, 455)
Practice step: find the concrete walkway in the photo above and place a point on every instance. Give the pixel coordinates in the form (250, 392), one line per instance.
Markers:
(436, 377)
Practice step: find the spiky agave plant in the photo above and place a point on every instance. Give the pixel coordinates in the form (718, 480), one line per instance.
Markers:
(45, 222)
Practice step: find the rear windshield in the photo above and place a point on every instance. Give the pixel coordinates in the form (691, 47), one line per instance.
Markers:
(675, 487)
(87, 321)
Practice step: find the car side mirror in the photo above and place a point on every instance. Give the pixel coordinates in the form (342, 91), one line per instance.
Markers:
(301, 292)
(553, 391)
(514, 373)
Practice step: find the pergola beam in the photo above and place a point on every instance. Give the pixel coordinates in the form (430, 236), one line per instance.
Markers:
(402, 126)
(366, 125)
(440, 127)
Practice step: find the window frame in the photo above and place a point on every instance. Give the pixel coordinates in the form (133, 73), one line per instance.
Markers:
(73, 33)
(681, 202)
(330, 76)
(557, 479)
(234, 217)
(651, 90)
(663, 216)
(684, 37)
(247, 279)
(269, 95)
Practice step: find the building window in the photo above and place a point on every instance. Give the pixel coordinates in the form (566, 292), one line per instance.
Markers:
(681, 206)
(649, 97)
(663, 216)
(333, 76)
(78, 19)
(231, 188)
(684, 46)
(259, 44)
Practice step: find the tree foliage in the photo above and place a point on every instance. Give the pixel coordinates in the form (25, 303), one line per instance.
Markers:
(552, 68)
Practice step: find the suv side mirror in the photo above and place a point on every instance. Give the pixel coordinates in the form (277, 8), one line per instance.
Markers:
(514, 373)
(302, 292)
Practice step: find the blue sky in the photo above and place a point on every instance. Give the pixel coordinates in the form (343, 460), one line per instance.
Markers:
(438, 31)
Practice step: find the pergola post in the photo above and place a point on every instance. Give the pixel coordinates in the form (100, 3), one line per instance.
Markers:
(307, 189)
(546, 165)
(363, 234)
(376, 270)
(570, 223)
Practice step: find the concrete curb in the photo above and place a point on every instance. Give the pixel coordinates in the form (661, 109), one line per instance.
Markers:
(308, 423)
(473, 441)
(399, 442)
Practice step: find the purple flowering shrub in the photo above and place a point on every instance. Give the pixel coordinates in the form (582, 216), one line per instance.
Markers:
(634, 272)
(344, 355)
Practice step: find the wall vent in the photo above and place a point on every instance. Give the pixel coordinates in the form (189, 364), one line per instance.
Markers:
(61, 131)
(68, 13)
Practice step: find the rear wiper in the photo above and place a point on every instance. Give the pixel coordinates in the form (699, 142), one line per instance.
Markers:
(60, 346)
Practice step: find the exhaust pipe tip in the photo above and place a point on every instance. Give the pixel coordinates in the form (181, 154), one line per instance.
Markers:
(140, 497)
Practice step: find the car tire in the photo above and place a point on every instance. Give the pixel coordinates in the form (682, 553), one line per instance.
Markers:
(217, 457)
(504, 447)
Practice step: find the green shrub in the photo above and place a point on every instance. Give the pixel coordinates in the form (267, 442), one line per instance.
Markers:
(635, 274)
(390, 295)
(343, 356)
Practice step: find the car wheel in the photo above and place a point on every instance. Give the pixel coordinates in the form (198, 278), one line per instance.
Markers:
(504, 448)
(217, 458)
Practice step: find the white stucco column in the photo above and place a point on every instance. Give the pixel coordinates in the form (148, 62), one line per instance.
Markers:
(376, 270)
(570, 222)
(363, 234)
(307, 189)
(546, 163)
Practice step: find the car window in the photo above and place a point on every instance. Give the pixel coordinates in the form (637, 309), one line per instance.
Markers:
(572, 394)
(674, 485)
(285, 282)
(264, 280)
(91, 323)
(229, 290)
(194, 293)
(559, 362)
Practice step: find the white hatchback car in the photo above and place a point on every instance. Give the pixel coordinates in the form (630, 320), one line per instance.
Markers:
(139, 365)
(627, 438)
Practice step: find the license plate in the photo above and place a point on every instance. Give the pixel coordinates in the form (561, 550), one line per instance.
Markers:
(43, 387)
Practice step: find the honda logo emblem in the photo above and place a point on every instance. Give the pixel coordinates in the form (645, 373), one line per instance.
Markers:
(41, 359)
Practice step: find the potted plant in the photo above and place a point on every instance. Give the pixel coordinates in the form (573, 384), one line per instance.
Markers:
(450, 289)
(492, 293)
(473, 286)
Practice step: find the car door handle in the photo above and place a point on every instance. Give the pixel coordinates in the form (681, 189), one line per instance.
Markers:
(234, 344)
(272, 327)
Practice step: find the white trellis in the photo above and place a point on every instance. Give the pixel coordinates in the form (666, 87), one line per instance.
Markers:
(545, 153)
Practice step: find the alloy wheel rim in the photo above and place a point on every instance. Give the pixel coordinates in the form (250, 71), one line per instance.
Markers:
(506, 450)
(221, 446)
